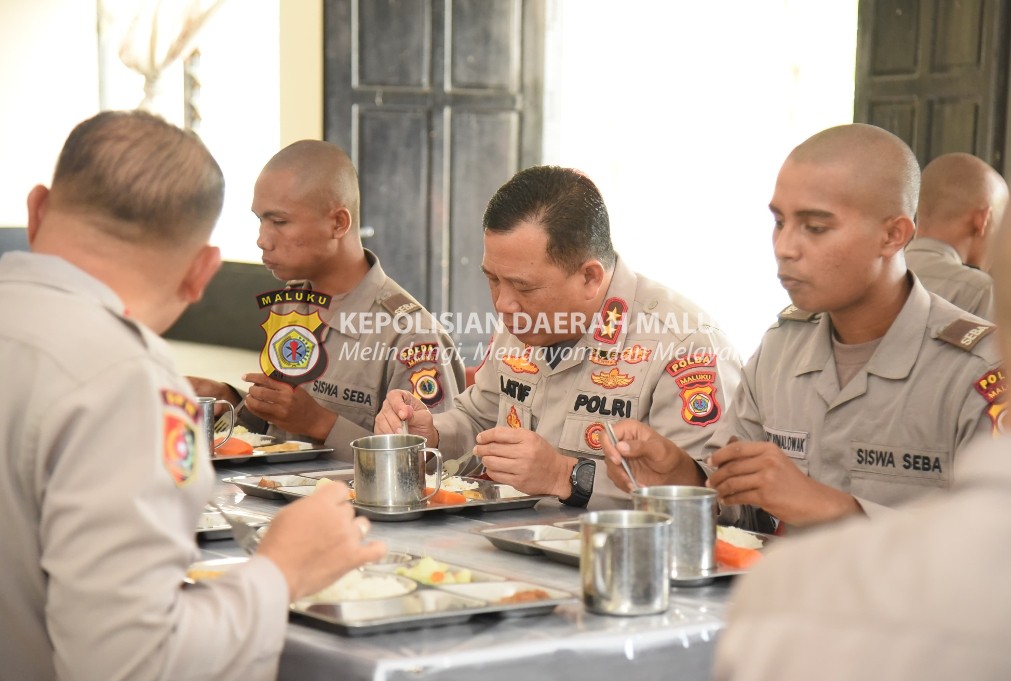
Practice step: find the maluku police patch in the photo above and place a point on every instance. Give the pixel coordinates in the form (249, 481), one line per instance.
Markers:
(293, 352)
(426, 386)
(179, 450)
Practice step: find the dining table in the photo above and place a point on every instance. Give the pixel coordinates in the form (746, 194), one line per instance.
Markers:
(568, 642)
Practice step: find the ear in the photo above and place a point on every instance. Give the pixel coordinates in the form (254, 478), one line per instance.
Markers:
(898, 231)
(38, 201)
(341, 219)
(592, 272)
(981, 221)
(202, 269)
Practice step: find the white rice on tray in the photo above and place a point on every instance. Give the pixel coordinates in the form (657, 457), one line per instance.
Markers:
(738, 537)
(357, 586)
(454, 483)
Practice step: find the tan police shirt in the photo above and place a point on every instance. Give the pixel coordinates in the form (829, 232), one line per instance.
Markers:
(103, 477)
(379, 339)
(892, 433)
(649, 354)
(920, 595)
(941, 271)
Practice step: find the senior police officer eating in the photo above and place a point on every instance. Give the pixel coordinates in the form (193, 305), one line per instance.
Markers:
(378, 336)
(864, 391)
(102, 474)
(585, 341)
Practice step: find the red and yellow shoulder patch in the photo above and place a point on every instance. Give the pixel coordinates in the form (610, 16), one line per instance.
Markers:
(179, 437)
(426, 386)
(695, 376)
(991, 386)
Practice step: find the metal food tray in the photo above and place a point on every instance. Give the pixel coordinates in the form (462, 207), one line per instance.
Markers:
(273, 457)
(428, 604)
(496, 496)
(212, 525)
(560, 542)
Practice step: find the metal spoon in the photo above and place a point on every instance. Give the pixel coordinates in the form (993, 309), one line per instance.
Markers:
(624, 464)
(245, 535)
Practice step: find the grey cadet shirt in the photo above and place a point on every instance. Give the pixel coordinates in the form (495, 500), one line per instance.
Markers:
(891, 435)
(102, 479)
(941, 271)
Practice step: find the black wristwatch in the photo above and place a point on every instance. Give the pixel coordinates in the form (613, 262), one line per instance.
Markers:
(581, 480)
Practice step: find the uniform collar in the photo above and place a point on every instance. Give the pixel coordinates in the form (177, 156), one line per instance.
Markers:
(944, 249)
(51, 271)
(899, 347)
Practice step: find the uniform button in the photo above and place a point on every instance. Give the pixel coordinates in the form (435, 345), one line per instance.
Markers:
(651, 304)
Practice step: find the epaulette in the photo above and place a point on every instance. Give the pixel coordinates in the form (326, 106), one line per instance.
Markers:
(965, 333)
(795, 314)
(398, 304)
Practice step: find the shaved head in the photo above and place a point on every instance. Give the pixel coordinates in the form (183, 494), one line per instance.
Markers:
(324, 173)
(883, 175)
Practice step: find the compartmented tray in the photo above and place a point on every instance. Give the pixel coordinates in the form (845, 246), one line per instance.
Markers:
(487, 495)
(560, 542)
(430, 604)
(259, 456)
(212, 525)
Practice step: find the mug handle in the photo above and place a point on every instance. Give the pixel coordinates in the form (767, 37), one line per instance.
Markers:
(231, 422)
(438, 472)
(601, 571)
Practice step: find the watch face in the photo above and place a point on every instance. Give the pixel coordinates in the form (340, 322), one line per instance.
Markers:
(584, 475)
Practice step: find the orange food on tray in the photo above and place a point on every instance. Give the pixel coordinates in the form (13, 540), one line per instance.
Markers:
(445, 497)
(735, 557)
(232, 447)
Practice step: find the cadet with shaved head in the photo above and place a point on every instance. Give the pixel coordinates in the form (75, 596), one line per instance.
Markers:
(918, 596)
(862, 394)
(379, 337)
(962, 201)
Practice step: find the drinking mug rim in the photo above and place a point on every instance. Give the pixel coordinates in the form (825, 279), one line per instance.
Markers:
(626, 518)
(673, 492)
(420, 440)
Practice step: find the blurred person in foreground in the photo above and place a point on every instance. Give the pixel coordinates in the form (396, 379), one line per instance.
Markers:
(962, 203)
(918, 596)
(104, 472)
(586, 341)
(378, 337)
(863, 394)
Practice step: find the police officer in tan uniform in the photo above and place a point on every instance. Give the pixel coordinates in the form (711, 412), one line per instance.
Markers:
(864, 400)
(104, 473)
(962, 201)
(586, 341)
(921, 595)
(377, 338)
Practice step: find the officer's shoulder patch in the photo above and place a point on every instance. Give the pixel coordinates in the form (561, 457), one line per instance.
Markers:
(398, 304)
(795, 314)
(965, 333)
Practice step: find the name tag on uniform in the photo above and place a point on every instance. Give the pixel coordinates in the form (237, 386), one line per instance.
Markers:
(793, 442)
(344, 395)
(899, 461)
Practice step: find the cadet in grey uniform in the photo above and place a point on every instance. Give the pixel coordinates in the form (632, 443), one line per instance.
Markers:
(866, 404)
(378, 336)
(962, 201)
(104, 475)
(540, 400)
(923, 594)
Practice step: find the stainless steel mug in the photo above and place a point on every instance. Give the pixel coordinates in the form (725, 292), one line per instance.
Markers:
(625, 562)
(390, 471)
(693, 511)
(206, 405)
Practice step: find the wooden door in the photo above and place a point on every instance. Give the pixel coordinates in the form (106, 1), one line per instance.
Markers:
(438, 103)
(934, 72)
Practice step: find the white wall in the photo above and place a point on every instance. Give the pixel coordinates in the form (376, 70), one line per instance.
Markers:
(682, 113)
(48, 77)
